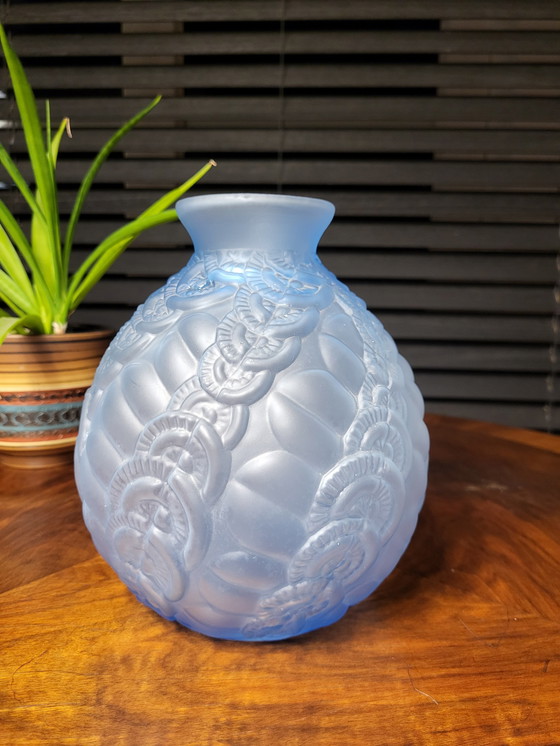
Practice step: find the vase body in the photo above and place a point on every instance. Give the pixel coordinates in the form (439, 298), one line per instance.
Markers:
(252, 456)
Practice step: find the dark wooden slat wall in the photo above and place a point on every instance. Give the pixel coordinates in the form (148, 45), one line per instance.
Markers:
(432, 125)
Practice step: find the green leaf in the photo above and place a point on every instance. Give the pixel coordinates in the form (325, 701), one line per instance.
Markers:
(12, 295)
(47, 124)
(108, 251)
(20, 182)
(44, 252)
(91, 174)
(44, 298)
(172, 196)
(12, 264)
(47, 246)
(8, 324)
(22, 325)
(52, 156)
(98, 262)
(18, 237)
(27, 108)
(43, 295)
(54, 144)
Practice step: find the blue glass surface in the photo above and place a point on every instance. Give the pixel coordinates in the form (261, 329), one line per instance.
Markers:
(252, 456)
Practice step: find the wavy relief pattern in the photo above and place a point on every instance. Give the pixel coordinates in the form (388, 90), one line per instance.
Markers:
(264, 492)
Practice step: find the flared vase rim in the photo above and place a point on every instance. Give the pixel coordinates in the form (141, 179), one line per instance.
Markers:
(262, 198)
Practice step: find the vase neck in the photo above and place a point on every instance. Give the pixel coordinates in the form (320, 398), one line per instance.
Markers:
(272, 224)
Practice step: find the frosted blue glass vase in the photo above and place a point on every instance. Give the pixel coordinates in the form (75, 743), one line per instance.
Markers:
(252, 456)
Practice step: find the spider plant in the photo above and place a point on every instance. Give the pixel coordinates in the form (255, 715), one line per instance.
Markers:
(38, 289)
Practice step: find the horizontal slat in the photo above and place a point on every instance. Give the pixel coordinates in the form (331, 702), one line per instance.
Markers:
(460, 207)
(411, 296)
(467, 327)
(293, 111)
(459, 298)
(349, 234)
(292, 76)
(482, 268)
(328, 170)
(502, 269)
(444, 236)
(529, 238)
(301, 42)
(273, 10)
(470, 357)
(483, 386)
(485, 143)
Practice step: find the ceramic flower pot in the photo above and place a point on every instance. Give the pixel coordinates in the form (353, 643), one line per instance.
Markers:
(43, 380)
(252, 455)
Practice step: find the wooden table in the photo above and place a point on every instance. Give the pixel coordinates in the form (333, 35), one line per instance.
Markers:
(460, 645)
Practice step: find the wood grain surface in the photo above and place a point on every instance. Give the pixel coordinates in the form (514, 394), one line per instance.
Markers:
(460, 645)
